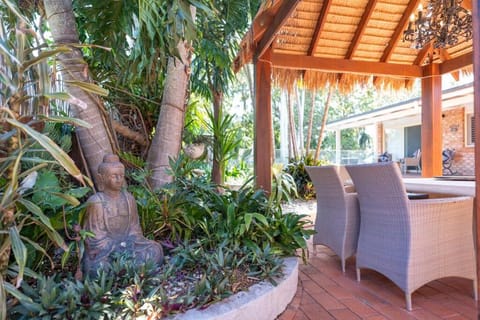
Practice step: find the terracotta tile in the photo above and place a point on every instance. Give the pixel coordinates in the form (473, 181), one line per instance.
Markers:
(344, 314)
(440, 309)
(359, 308)
(376, 317)
(422, 314)
(393, 312)
(327, 301)
(287, 315)
(314, 311)
(325, 293)
(322, 280)
(339, 292)
(312, 287)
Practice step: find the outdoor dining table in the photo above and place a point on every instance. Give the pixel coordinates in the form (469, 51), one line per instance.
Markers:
(446, 185)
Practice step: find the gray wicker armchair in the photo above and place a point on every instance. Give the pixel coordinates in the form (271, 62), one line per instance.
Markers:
(411, 242)
(337, 220)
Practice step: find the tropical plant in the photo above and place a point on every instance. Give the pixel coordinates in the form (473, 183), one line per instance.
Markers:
(296, 168)
(283, 185)
(215, 52)
(226, 142)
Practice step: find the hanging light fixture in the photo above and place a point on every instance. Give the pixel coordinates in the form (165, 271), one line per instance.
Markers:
(444, 22)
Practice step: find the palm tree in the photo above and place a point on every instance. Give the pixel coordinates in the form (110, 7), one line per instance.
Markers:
(214, 55)
(144, 35)
(167, 140)
(95, 140)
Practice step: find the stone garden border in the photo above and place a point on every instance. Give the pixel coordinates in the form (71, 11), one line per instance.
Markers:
(262, 301)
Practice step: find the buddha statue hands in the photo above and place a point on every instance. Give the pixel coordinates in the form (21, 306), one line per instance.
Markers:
(112, 216)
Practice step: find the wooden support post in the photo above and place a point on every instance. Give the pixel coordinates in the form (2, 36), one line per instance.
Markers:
(263, 150)
(476, 109)
(431, 121)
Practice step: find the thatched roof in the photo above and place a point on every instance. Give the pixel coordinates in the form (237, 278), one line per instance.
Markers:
(345, 42)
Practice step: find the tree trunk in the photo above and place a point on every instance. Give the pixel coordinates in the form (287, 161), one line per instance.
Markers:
(218, 167)
(97, 140)
(291, 125)
(310, 124)
(300, 93)
(324, 122)
(167, 140)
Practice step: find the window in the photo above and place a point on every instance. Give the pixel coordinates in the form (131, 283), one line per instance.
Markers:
(470, 130)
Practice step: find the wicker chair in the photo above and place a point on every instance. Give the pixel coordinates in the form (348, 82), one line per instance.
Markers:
(337, 220)
(411, 242)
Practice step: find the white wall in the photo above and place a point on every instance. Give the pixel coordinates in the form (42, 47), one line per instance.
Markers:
(394, 135)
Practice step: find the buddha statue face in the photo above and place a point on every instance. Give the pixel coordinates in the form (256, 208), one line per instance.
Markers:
(112, 174)
(113, 178)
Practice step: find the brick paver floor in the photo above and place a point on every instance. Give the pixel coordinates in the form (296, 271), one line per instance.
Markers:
(324, 292)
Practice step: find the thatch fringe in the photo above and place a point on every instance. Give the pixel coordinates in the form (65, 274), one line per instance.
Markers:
(345, 83)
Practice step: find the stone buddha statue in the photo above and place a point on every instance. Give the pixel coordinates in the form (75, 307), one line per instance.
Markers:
(112, 216)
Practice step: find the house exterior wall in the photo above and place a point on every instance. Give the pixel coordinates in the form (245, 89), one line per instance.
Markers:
(453, 127)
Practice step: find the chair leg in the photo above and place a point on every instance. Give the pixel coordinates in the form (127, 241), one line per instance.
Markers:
(358, 274)
(408, 299)
(475, 289)
(343, 265)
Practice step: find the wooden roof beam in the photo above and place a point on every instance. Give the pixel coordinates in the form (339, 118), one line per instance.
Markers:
(367, 13)
(319, 27)
(345, 66)
(361, 28)
(457, 63)
(422, 54)
(445, 56)
(398, 33)
(281, 17)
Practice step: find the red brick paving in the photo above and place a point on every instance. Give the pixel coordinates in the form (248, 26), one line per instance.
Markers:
(324, 292)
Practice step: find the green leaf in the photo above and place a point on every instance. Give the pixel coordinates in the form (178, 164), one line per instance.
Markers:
(11, 189)
(68, 198)
(43, 56)
(69, 120)
(26, 301)
(6, 51)
(79, 192)
(248, 220)
(19, 251)
(3, 300)
(57, 95)
(33, 208)
(90, 87)
(261, 218)
(45, 221)
(56, 152)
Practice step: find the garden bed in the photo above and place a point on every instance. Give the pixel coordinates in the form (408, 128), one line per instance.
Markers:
(271, 300)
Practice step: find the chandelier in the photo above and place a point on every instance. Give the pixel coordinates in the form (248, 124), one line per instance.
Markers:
(444, 22)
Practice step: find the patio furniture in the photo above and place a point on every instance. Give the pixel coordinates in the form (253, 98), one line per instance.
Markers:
(411, 242)
(412, 161)
(385, 157)
(337, 220)
(447, 160)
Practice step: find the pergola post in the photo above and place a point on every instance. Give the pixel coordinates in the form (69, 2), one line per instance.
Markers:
(476, 109)
(431, 121)
(263, 156)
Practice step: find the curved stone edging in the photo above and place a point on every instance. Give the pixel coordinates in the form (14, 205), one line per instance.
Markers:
(262, 301)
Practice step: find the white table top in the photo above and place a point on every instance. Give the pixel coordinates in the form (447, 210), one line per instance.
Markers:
(432, 185)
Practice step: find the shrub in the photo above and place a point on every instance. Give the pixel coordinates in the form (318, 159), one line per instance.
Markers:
(296, 168)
